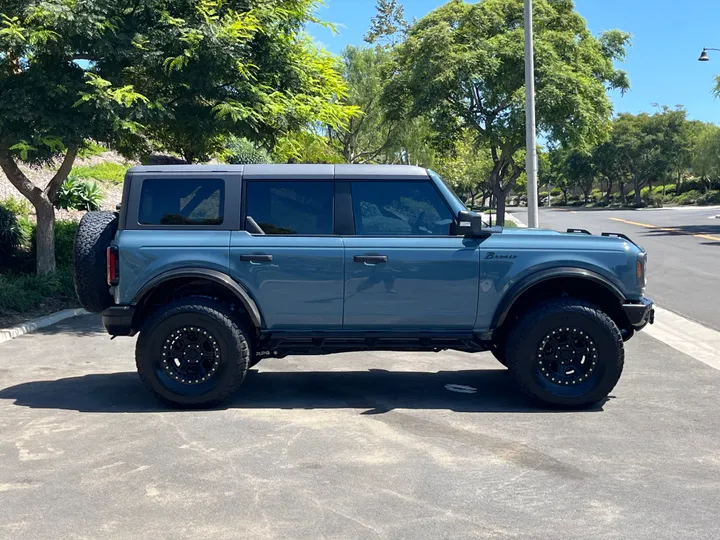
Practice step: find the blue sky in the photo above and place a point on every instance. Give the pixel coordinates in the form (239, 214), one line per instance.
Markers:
(668, 37)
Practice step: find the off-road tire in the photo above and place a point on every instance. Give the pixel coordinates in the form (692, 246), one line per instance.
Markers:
(526, 338)
(197, 312)
(95, 233)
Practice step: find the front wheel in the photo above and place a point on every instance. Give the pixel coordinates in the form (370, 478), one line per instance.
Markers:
(567, 353)
(192, 353)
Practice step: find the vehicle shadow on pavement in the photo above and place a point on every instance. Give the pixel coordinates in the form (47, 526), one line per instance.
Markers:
(83, 326)
(373, 391)
(683, 230)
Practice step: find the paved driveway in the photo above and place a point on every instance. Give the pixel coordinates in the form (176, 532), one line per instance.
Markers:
(351, 446)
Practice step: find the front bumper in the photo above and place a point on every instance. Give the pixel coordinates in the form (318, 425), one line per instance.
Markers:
(118, 320)
(640, 313)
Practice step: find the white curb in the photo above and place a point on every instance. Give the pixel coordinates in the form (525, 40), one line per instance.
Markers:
(6, 334)
(516, 221)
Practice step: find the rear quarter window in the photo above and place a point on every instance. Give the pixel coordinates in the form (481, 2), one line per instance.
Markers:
(182, 201)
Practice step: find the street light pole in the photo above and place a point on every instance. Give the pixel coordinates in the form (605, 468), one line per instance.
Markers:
(531, 136)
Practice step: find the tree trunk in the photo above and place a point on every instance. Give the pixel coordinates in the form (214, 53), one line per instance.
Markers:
(43, 201)
(564, 191)
(45, 232)
(638, 198)
(622, 193)
(500, 212)
(608, 194)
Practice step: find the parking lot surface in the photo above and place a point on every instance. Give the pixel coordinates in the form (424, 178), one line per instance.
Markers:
(352, 446)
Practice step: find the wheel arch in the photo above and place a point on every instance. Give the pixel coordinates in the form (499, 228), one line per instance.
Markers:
(553, 282)
(199, 276)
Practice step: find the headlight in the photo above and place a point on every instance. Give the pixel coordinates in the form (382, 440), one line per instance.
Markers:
(640, 270)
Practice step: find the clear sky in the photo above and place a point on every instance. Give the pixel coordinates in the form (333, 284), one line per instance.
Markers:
(668, 37)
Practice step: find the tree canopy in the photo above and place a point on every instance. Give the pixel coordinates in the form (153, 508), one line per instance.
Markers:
(463, 66)
(175, 74)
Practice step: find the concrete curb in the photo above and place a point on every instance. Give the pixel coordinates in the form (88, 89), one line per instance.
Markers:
(6, 334)
(515, 220)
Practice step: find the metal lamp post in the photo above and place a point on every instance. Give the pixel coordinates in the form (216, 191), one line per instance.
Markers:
(531, 135)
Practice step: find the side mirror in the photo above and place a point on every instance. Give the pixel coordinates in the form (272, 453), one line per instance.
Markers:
(469, 223)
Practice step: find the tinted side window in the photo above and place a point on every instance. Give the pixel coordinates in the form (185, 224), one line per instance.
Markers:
(182, 201)
(291, 207)
(399, 209)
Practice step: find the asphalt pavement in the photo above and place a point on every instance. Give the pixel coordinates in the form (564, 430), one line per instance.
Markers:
(352, 446)
(683, 246)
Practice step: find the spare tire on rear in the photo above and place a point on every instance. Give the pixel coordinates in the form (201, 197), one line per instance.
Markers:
(95, 233)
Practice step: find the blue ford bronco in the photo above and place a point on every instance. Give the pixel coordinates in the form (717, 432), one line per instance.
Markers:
(217, 267)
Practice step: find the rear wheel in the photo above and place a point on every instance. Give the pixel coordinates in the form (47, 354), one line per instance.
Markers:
(567, 353)
(192, 353)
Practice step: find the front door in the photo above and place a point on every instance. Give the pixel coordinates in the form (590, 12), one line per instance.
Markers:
(287, 257)
(403, 269)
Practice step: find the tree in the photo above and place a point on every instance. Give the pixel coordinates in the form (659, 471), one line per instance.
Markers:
(552, 171)
(580, 171)
(463, 66)
(706, 157)
(370, 134)
(132, 75)
(646, 145)
(388, 27)
(607, 165)
(466, 170)
(306, 146)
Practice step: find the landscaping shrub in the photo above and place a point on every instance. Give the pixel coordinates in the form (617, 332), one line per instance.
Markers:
(711, 197)
(688, 197)
(10, 237)
(76, 194)
(19, 207)
(692, 185)
(22, 293)
(240, 151)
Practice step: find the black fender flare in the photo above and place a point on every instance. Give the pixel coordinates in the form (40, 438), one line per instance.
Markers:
(525, 284)
(212, 275)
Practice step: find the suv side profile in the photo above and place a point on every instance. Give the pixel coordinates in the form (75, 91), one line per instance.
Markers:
(218, 267)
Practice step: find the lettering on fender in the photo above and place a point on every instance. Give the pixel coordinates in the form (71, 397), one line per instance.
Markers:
(493, 255)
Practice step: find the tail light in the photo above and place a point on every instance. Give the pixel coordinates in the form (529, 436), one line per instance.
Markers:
(113, 266)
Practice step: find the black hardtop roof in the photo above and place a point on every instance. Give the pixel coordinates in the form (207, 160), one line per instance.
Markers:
(293, 171)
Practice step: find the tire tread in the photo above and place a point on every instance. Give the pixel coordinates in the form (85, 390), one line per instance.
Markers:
(518, 335)
(210, 308)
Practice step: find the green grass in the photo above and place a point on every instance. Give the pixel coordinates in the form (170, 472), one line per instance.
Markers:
(510, 224)
(107, 171)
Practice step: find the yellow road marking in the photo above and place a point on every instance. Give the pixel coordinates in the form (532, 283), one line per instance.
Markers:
(671, 229)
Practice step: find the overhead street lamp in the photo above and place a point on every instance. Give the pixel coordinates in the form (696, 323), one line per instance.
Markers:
(704, 55)
(531, 135)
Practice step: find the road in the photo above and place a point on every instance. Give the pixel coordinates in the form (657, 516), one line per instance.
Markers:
(683, 246)
(353, 446)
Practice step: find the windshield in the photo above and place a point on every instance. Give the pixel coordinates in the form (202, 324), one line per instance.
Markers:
(448, 191)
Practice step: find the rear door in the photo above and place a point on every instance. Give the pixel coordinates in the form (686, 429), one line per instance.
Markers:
(404, 271)
(287, 256)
